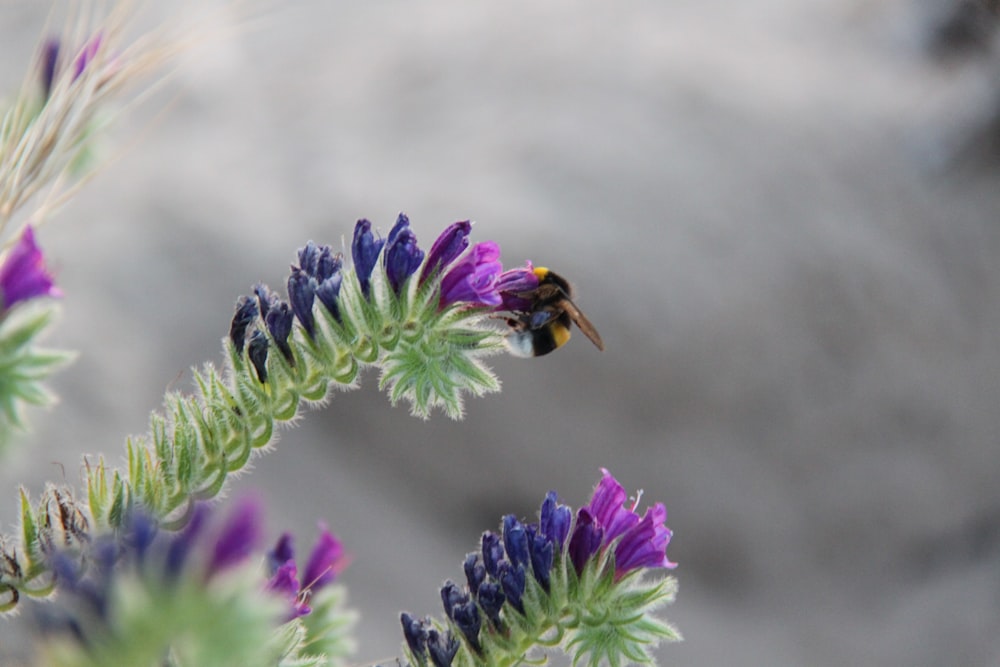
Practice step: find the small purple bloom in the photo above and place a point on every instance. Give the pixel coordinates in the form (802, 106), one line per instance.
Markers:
(281, 553)
(452, 596)
(513, 581)
(607, 506)
(514, 282)
(449, 245)
(554, 520)
(326, 561)
(364, 251)
(441, 647)
(645, 544)
(542, 556)
(466, 617)
(285, 582)
(475, 572)
(515, 540)
(415, 632)
(23, 275)
(246, 314)
(279, 324)
(586, 540)
(302, 295)
(402, 257)
(266, 299)
(492, 553)
(328, 293)
(241, 533)
(491, 599)
(473, 278)
(257, 351)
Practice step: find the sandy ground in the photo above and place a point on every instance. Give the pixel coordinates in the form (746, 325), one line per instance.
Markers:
(764, 210)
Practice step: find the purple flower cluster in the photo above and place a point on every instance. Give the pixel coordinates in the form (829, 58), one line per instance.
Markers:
(326, 561)
(472, 276)
(638, 542)
(498, 573)
(204, 549)
(23, 275)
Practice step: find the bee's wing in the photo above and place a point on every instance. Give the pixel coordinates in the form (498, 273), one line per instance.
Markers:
(581, 321)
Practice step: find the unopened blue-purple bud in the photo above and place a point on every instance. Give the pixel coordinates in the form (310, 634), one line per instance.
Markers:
(328, 264)
(452, 596)
(492, 553)
(140, 531)
(475, 572)
(280, 554)
(515, 540)
(246, 314)
(441, 647)
(302, 294)
(554, 520)
(586, 539)
(449, 245)
(415, 632)
(257, 351)
(513, 580)
(328, 293)
(266, 298)
(542, 555)
(466, 618)
(402, 258)
(491, 599)
(279, 325)
(364, 251)
(239, 536)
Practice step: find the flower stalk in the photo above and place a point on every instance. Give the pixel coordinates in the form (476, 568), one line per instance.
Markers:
(528, 591)
(281, 357)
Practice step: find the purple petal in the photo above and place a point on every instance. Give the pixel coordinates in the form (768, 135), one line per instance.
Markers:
(240, 535)
(449, 245)
(325, 562)
(645, 544)
(607, 507)
(23, 275)
(473, 278)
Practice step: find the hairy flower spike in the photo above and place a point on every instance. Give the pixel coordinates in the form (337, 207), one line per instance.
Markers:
(143, 593)
(584, 595)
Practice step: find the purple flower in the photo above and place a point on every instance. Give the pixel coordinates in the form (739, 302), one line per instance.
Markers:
(608, 507)
(257, 351)
(241, 534)
(586, 539)
(364, 252)
(473, 278)
(514, 282)
(645, 544)
(279, 323)
(554, 520)
(246, 314)
(441, 647)
(515, 540)
(449, 245)
(326, 561)
(23, 275)
(402, 256)
(415, 632)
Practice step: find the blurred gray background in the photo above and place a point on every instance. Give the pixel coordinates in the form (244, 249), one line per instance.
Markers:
(782, 217)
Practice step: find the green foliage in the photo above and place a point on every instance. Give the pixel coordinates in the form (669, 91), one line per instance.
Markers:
(24, 366)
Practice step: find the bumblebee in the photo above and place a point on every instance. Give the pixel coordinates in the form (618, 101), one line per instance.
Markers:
(545, 325)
